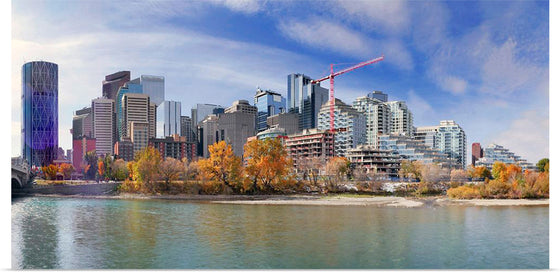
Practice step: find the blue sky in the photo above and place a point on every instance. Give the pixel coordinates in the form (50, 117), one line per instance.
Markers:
(482, 64)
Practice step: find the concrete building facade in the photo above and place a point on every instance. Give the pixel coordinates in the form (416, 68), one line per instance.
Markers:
(309, 144)
(401, 118)
(103, 125)
(349, 123)
(378, 116)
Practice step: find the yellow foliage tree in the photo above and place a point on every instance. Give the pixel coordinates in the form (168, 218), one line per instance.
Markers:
(146, 167)
(66, 170)
(499, 171)
(268, 166)
(222, 165)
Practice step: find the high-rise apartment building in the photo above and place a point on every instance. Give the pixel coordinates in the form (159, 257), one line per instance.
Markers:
(373, 161)
(268, 103)
(153, 86)
(103, 118)
(427, 134)
(168, 118)
(378, 95)
(135, 108)
(378, 116)
(401, 118)
(113, 82)
(414, 150)
(39, 105)
(495, 152)
(349, 123)
(451, 140)
(174, 146)
(124, 149)
(305, 99)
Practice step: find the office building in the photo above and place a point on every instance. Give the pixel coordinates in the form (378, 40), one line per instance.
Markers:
(153, 86)
(124, 149)
(174, 146)
(80, 147)
(113, 82)
(139, 135)
(373, 161)
(242, 106)
(82, 123)
(168, 118)
(234, 128)
(310, 144)
(401, 118)
(377, 113)
(201, 110)
(495, 152)
(103, 125)
(135, 108)
(152, 119)
(268, 103)
(451, 140)
(126, 88)
(187, 130)
(287, 121)
(207, 134)
(305, 99)
(39, 105)
(477, 152)
(349, 123)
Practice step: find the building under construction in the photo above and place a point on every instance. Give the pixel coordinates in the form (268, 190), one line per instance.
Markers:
(373, 161)
(309, 144)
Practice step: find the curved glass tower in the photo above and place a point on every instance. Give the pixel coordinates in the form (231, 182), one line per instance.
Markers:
(39, 104)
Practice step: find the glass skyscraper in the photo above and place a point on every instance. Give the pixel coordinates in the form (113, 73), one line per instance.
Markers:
(305, 99)
(153, 86)
(127, 88)
(39, 104)
(268, 104)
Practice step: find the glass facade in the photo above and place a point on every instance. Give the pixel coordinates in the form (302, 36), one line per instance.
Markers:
(153, 86)
(451, 140)
(168, 119)
(39, 131)
(268, 104)
(305, 99)
(350, 123)
(127, 88)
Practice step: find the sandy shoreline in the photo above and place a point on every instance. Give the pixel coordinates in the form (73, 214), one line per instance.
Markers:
(319, 200)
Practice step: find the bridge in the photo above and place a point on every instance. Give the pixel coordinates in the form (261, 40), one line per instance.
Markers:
(21, 174)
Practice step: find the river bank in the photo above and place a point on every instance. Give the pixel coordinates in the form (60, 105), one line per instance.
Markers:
(319, 200)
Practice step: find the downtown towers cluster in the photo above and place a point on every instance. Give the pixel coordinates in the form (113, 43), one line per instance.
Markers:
(132, 114)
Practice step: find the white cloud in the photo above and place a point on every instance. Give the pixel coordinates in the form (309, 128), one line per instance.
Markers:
(244, 6)
(527, 136)
(323, 34)
(389, 17)
(454, 84)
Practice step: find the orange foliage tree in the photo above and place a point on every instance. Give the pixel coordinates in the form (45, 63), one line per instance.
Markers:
(222, 166)
(49, 171)
(100, 168)
(268, 166)
(66, 170)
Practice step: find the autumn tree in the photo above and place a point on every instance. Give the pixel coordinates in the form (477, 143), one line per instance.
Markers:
(410, 169)
(90, 159)
(170, 169)
(100, 168)
(50, 171)
(479, 172)
(499, 171)
(191, 170)
(459, 175)
(66, 170)
(108, 163)
(146, 166)
(119, 169)
(542, 164)
(222, 165)
(268, 166)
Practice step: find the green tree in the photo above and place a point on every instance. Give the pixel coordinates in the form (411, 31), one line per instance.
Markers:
(119, 169)
(542, 164)
(499, 171)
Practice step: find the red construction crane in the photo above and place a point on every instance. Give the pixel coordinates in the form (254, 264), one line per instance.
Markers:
(334, 74)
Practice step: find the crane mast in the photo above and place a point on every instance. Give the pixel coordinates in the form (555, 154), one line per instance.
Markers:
(333, 74)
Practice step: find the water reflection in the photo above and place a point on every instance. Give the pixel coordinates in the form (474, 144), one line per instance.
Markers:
(89, 233)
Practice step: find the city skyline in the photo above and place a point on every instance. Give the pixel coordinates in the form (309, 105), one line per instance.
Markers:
(484, 65)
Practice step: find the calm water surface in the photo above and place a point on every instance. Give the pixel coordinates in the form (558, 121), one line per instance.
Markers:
(73, 233)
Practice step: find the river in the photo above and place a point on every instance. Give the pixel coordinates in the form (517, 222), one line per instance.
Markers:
(75, 233)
